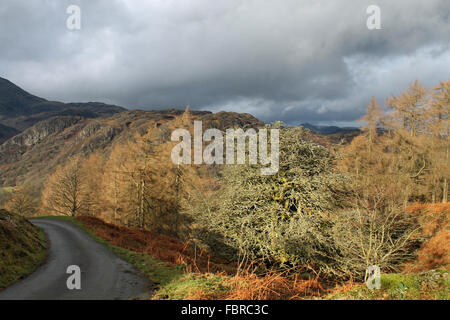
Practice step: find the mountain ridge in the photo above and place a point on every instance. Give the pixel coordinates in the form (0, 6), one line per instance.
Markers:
(31, 155)
(327, 130)
(20, 109)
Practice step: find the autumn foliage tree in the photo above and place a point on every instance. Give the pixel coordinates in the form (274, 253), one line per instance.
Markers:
(401, 157)
(23, 201)
(142, 187)
(419, 130)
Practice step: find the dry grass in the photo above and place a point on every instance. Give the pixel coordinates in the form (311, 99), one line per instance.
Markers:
(343, 287)
(435, 225)
(165, 248)
(272, 286)
(214, 278)
(255, 282)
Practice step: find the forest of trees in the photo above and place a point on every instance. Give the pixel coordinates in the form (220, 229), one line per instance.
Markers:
(334, 209)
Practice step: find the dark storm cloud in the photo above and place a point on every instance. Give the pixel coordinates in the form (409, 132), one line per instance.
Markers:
(292, 60)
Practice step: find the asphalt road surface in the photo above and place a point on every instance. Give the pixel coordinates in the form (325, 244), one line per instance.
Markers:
(103, 274)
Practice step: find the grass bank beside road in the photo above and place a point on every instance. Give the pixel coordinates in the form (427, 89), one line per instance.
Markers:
(23, 248)
(430, 285)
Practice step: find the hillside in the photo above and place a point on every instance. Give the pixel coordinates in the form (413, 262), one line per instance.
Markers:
(32, 154)
(6, 133)
(15, 101)
(36, 134)
(20, 110)
(22, 248)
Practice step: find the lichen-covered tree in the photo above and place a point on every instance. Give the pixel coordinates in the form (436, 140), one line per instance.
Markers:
(280, 218)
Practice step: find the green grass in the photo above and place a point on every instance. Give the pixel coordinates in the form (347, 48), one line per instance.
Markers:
(172, 282)
(431, 285)
(214, 286)
(23, 248)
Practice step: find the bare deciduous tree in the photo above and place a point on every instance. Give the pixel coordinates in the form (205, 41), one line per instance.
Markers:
(65, 192)
(22, 202)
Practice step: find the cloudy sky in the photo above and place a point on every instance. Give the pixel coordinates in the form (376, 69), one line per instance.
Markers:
(292, 60)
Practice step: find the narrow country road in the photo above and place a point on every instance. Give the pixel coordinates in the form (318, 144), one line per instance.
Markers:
(103, 274)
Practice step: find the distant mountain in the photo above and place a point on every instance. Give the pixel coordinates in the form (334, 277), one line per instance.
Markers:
(329, 129)
(20, 110)
(14, 101)
(36, 135)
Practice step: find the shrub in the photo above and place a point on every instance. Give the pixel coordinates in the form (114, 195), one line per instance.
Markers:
(280, 218)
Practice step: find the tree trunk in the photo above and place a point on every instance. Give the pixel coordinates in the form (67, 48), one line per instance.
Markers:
(445, 191)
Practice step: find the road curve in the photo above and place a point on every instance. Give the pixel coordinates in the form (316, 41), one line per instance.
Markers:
(104, 276)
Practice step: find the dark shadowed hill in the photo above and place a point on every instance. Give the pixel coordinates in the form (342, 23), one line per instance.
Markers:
(329, 135)
(14, 101)
(20, 110)
(329, 129)
(7, 132)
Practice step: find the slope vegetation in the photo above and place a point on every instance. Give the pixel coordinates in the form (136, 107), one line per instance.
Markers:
(22, 248)
(29, 156)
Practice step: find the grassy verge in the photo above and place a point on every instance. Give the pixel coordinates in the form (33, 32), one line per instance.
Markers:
(23, 248)
(431, 285)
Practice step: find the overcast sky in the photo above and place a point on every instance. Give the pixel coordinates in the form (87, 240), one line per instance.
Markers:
(290, 60)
